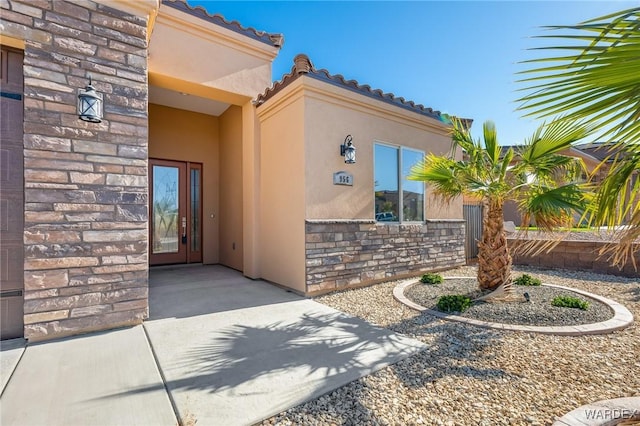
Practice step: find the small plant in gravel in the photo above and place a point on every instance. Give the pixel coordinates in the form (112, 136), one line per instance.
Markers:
(454, 303)
(430, 278)
(527, 280)
(570, 302)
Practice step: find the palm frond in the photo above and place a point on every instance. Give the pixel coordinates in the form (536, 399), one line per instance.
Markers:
(552, 138)
(440, 172)
(492, 148)
(598, 80)
(619, 193)
(553, 207)
(596, 77)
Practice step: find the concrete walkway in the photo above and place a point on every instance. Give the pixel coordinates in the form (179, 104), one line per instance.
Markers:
(218, 349)
(107, 378)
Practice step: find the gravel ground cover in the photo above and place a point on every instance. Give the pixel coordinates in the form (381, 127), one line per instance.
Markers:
(598, 235)
(474, 376)
(539, 311)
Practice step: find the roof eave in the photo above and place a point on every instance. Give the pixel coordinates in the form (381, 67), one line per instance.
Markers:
(272, 39)
(303, 66)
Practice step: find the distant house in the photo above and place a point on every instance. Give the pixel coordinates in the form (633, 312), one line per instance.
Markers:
(197, 159)
(597, 158)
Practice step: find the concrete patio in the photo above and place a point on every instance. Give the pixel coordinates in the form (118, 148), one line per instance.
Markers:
(217, 349)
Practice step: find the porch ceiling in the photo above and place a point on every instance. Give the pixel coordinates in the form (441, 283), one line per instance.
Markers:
(181, 100)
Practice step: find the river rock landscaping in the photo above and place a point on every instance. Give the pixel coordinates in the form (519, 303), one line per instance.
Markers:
(476, 376)
(538, 311)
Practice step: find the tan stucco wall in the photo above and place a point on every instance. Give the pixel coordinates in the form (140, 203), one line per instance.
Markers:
(230, 217)
(282, 192)
(301, 130)
(180, 135)
(329, 120)
(226, 60)
(250, 191)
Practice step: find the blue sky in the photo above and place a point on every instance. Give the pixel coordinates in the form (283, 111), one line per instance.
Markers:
(458, 57)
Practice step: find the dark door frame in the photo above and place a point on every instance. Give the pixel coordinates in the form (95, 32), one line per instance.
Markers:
(189, 216)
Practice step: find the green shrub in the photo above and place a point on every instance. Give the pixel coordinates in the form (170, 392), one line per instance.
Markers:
(454, 303)
(527, 280)
(430, 278)
(570, 302)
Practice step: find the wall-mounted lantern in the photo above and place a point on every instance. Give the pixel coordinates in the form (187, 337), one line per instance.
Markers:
(348, 150)
(90, 104)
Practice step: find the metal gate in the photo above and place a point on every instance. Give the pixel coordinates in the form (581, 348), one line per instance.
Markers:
(473, 226)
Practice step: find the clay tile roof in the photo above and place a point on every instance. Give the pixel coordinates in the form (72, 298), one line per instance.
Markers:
(273, 39)
(302, 66)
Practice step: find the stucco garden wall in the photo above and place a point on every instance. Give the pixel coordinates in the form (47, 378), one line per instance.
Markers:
(85, 183)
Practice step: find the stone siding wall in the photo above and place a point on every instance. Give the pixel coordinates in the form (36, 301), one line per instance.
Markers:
(349, 254)
(86, 204)
(576, 255)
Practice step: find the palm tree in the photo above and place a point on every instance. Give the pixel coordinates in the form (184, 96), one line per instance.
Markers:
(596, 77)
(539, 179)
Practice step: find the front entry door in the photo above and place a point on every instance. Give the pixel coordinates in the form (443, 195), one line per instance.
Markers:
(11, 194)
(175, 206)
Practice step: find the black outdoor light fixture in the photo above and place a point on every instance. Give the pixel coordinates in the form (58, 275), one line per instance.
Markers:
(90, 104)
(348, 150)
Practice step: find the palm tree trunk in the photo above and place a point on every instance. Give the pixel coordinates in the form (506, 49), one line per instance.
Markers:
(494, 260)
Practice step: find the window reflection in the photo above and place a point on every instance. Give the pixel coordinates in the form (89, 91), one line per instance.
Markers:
(412, 191)
(165, 209)
(390, 206)
(195, 210)
(386, 183)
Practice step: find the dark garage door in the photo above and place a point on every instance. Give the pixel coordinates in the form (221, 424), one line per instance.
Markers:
(11, 195)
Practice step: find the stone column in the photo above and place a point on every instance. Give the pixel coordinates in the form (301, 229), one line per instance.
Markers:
(86, 200)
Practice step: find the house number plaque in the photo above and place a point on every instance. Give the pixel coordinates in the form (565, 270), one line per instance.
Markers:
(342, 178)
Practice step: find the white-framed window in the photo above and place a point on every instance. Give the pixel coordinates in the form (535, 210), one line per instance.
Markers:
(396, 198)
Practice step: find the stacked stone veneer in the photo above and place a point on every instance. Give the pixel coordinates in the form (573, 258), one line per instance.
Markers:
(354, 253)
(576, 255)
(85, 183)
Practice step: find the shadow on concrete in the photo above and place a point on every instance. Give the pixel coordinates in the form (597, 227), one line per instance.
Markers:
(181, 292)
(239, 367)
(323, 345)
(452, 350)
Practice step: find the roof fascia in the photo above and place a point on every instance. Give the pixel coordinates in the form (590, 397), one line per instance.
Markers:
(307, 86)
(211, 32)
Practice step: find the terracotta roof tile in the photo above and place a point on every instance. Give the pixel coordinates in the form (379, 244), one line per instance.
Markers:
(273, 39)
(303, 66)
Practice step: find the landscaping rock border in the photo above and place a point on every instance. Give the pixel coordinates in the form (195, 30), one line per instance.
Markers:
(622, 317)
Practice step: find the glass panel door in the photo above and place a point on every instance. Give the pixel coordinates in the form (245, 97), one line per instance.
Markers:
(175, 231)
(168, 212)
(166, 216)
